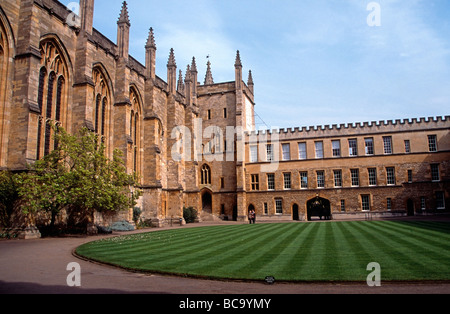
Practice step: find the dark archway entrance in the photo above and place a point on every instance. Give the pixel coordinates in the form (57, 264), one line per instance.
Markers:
(319, 207)
(295, 213)
(410, 207)
(207, 202)
(235, 213)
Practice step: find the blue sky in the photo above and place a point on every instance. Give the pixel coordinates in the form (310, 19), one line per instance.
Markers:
(314, 62)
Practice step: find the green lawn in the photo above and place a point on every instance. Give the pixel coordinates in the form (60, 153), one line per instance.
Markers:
(321, 251)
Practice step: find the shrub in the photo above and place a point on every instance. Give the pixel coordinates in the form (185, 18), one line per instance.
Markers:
(77, 176)
(190, 214)
(104, 230)
(122, 226)
(9, 196)
(136, 214)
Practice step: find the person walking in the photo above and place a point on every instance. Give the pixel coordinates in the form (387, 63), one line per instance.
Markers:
(252, 216)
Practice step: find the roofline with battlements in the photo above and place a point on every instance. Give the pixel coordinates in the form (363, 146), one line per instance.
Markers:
(358, 128)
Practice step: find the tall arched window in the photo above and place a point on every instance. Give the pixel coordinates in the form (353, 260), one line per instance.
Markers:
(42, 84)
(98, 100)
(7, 61)
(135, 140)
(48, 115)
(3, 61)
(52, 96)
(205, 175)
(2, 65)
(135, 125)
(102, 105)
(59, 91)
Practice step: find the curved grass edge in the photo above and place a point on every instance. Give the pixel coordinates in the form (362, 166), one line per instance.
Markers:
(238, 279)
(246, 280)
(166, 273)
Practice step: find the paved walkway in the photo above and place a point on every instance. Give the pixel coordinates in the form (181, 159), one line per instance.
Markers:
(39, 266)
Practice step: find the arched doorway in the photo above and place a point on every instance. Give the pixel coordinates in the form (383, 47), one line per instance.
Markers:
(235, 213)
(207, 202)
(410, 207)
(319, 207)
(295, 214)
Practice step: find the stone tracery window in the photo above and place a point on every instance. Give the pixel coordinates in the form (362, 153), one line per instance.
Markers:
(205, 175)
(135, 125)
(102, 100)
(4, 65)
(3, 60)
(52, 96)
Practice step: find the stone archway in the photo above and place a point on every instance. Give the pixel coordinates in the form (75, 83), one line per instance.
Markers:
(410, 207)
(319, 207)
(295, 213)
(207, 202)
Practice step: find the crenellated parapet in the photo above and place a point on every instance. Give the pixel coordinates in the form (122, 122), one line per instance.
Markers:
(358, 128)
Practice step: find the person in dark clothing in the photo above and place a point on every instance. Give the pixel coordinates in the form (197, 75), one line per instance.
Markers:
(252, 216)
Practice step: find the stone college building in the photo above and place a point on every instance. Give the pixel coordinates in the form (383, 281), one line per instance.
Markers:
(194, 143)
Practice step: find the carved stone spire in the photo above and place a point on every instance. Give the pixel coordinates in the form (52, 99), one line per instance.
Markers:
(150, 56)
(194, 74)
(238, 71)
(188, 85)
(250, 78)
(238, 62)
(124, 18)
(208, 78)
(172, 73)
(194, 65)
(250, 83)
(171, 62)
(188, 74)
(180, 87)
(151, 44)
(123, 32)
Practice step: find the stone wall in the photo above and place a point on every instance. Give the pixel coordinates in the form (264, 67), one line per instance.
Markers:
(161, 105)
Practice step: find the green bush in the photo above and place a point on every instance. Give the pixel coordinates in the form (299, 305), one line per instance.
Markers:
(9, 196)
(137, 214)
(77, 176)
(190, 214)
(122, 226)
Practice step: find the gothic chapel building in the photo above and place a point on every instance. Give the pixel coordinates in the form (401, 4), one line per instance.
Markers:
(55, 70)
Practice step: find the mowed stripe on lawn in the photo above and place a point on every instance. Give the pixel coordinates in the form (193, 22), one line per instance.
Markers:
(319, 251)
